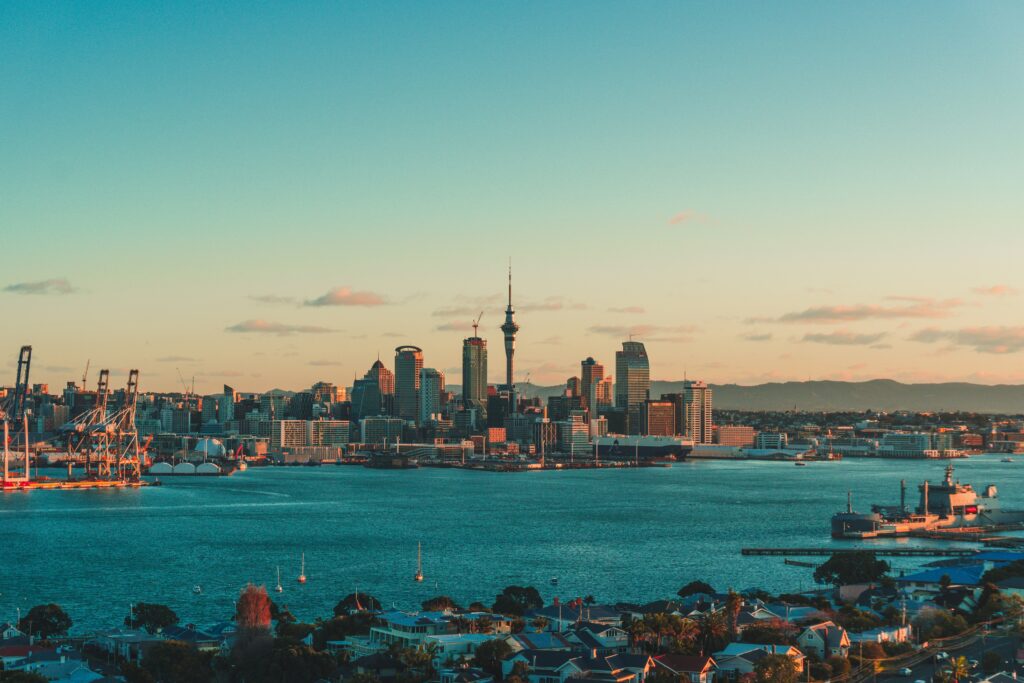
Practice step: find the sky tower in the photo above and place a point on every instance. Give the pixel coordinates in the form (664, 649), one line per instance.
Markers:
(510, 328)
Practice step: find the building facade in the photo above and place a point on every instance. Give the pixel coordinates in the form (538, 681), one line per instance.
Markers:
(632, 383)
(408, 364)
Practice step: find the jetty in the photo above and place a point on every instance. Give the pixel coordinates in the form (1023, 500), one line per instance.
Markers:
(889, 552)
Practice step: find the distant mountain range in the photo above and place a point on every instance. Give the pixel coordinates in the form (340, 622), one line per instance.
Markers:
(878, 394)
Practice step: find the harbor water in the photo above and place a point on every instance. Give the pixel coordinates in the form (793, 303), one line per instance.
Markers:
(633, 534)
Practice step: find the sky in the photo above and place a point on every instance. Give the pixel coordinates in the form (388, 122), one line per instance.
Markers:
(272, 194)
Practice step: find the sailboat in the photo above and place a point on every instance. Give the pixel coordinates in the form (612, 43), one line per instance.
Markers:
(278, 588)
(302, 572)
(419, 562)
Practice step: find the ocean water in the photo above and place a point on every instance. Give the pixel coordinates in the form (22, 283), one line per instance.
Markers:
(615, 534)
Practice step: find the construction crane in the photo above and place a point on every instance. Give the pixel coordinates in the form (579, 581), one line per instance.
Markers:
(21, 385)
(85, 375)
(476, 324)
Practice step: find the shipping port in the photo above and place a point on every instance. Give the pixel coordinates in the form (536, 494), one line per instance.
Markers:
(105, 441)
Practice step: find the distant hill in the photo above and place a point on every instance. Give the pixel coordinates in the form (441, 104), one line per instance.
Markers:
(878, 394)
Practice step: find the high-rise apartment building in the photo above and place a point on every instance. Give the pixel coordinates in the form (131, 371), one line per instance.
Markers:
(431, 390)
(408, 363)
(697, 420)
(632, 383)
(474, 374)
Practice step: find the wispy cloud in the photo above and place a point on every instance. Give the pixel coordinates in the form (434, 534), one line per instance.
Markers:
(981, 339)
(455, 326)
(754, 337)
(274, 299)
(688, 216)
(996, 290)
(552, 303)
(344, 296)
(268, 327)
(911, 307)
(324, 363)
(844, 338)
(468, 305)
(668, 333)
(177, 359)
(57, 285)
(627, 309)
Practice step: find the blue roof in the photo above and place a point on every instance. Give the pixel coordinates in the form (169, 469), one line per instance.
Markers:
(969, 575)
(999, 556)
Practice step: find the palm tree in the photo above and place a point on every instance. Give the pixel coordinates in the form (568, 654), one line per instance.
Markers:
(959, 668)
(540, 623)
(733, 605)
(713, 631)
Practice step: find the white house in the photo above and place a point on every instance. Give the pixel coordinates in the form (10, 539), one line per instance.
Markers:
(825, 639)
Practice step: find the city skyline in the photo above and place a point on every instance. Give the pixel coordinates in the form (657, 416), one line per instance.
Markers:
(270, 198)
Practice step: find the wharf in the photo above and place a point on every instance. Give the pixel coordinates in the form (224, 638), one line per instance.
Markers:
(890, 552)
(73, 484)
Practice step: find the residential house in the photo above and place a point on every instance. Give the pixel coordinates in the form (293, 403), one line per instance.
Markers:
(688, 668)
(453, 647)
(599, 639)
(8, 631)
(464, 675)
(563, 616)
(547, 640)
(825, 639)
(559, 667)
(738, 659)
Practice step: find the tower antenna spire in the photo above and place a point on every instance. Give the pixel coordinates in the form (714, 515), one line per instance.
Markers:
(509, 280)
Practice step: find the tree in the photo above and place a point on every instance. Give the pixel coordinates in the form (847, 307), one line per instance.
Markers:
(589, 600)
(284, 659)
(152, 617)
(540, 623)
(490, 655)
(859, 566)
(482, 624)
(774, 632)
(733, 605)
(356, 602)
(172, 661)
(959, 669)
(518, 600)
(45, 621)
(439, 604)
(253, 609)
(714, 632)
(938, 623)
(520, 673)
(695, 587)
(775, 669)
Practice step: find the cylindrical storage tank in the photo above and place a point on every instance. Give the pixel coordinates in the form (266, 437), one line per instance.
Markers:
(161, 468)
(184, 468)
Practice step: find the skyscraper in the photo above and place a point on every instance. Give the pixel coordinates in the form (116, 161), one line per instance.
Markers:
(632, 383)
(509, 329)
(591, 373)
(408, 363)
(697, 412)
(474, 373)
(431, 388)
(385, 378)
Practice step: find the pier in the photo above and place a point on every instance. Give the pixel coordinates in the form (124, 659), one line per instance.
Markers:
(889, 552)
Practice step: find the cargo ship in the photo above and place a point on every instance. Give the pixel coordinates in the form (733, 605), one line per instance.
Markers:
(945, 505)
(642, 448)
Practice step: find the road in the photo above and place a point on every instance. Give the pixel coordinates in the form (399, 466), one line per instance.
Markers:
(1005, 645)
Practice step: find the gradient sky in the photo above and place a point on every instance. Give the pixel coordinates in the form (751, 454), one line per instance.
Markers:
(271, 194)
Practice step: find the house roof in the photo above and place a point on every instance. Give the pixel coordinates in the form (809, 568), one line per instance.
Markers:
(545, 659)
(742, 649)
(548, 640)
(969, 575)
(681, 664)
(569, 612)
